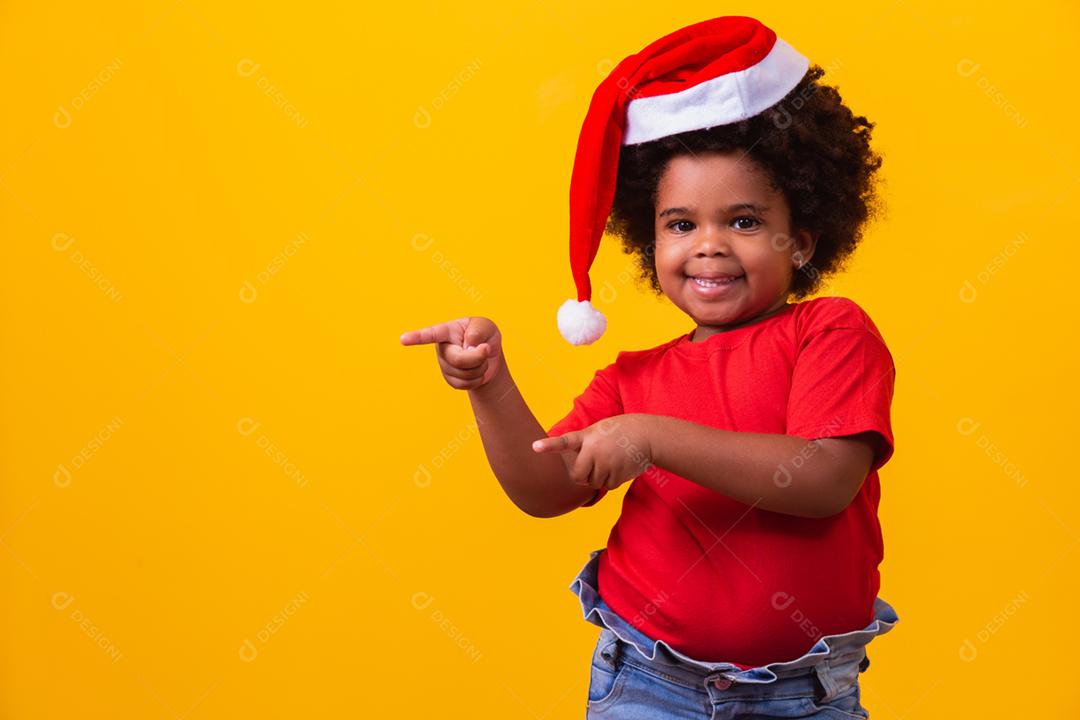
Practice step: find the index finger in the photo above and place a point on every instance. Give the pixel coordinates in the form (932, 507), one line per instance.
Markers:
(559, 443)
(443, 332)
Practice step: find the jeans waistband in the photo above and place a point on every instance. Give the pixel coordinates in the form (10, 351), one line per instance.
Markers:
(834, 661)
(797, 682)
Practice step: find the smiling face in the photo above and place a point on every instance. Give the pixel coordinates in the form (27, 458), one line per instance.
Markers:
(724, 250)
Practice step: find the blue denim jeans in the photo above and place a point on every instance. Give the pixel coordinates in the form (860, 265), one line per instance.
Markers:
(633, 676)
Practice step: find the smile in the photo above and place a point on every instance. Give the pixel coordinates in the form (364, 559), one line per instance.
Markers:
(711, 288)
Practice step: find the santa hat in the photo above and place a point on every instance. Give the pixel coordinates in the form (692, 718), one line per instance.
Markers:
(714, 72)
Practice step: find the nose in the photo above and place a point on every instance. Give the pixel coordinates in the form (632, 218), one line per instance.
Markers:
(711, 240)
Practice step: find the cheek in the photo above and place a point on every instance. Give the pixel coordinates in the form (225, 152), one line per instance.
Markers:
(767, 262)
(664, 264)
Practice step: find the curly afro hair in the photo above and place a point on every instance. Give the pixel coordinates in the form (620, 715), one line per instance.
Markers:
(814, 150)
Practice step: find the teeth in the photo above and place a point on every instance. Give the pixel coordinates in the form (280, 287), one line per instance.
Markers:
(713, 282)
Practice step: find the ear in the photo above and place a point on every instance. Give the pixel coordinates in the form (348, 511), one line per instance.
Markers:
(802, 247)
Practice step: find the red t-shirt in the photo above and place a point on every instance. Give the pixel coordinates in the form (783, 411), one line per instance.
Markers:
(715, 579)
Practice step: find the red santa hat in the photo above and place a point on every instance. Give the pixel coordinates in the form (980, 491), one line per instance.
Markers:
(714, 72)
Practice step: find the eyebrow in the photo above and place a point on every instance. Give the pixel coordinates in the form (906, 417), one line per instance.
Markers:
(731, 208)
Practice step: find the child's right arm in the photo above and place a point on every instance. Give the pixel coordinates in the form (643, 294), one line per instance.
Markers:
(470, 356)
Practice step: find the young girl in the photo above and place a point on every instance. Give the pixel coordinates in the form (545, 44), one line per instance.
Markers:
(741, 578)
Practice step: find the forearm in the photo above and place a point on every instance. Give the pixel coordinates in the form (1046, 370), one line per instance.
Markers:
(538, 483)
(773, 472)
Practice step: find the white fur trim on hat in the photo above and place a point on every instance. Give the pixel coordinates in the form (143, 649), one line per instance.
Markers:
(720, 101)
(580, 323)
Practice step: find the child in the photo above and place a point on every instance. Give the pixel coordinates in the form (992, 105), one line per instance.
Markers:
(741, 578)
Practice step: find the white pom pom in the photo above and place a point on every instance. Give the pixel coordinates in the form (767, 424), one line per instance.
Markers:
(580, 323)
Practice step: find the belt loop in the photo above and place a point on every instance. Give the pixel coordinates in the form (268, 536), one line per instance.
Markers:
(828, 687)
(615, 649)
(609, 646)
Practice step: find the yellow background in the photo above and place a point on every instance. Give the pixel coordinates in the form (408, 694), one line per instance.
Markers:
(227, 490)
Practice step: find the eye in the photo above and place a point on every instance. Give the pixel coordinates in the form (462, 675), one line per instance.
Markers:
(672, 226)
(751, 219)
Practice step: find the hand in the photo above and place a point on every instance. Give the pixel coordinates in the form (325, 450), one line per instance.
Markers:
(607, 453)
(469, 350)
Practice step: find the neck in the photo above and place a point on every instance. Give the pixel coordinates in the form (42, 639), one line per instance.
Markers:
(702, 332)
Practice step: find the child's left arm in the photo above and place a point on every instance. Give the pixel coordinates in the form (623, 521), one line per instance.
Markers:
(838, 427)
(838, 431)
(810, 478)
(792, 475)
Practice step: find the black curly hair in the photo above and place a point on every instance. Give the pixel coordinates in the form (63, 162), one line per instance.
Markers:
(814, 150)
